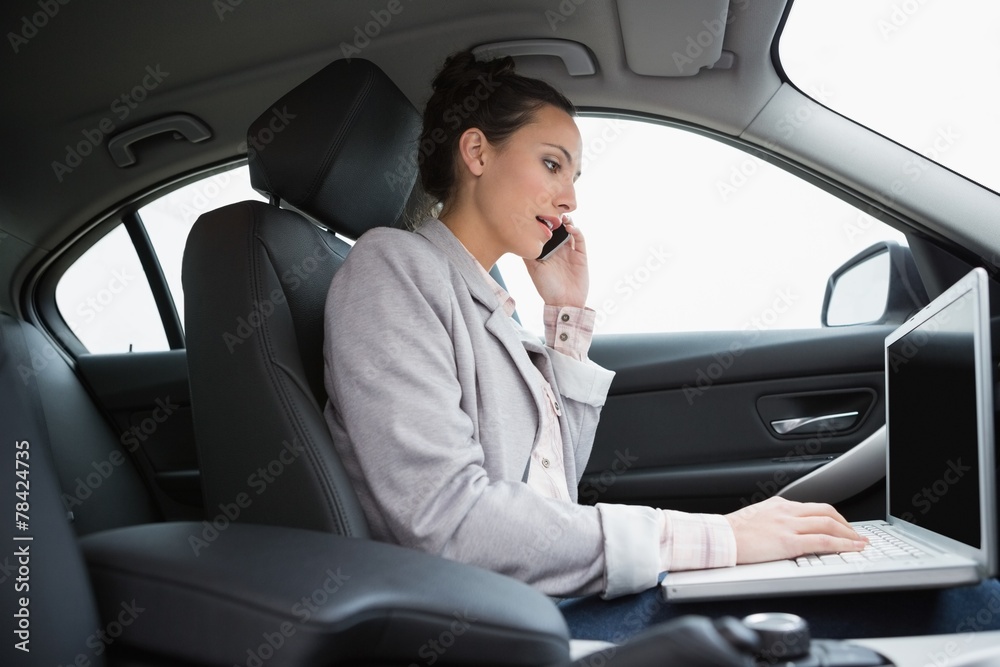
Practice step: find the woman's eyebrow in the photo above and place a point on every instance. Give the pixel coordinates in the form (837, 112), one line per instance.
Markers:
(569, 158)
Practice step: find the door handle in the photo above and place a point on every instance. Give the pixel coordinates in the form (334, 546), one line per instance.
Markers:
(835, 422)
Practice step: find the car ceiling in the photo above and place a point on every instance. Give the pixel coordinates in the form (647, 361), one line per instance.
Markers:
(226, 61)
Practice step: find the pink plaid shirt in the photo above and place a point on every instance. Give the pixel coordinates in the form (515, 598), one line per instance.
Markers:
(687, 541)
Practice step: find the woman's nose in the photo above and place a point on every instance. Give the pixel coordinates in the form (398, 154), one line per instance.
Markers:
(566, 199)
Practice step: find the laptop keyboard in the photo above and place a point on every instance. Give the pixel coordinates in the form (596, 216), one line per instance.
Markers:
(881, 546)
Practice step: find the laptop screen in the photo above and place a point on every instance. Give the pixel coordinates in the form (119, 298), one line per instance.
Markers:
(933, 479)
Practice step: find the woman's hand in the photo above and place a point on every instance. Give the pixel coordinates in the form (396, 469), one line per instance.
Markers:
(563, 279)
(777, 528)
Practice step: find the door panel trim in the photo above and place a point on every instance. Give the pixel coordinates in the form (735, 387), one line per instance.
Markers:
(682, 425)
(701, 360)
(752, 481)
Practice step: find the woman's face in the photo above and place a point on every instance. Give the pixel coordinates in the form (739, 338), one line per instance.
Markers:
(527, 183)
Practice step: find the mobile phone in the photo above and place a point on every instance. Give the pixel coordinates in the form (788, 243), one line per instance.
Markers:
(559, 236)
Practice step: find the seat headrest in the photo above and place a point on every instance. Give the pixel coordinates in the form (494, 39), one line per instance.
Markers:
(341, 147)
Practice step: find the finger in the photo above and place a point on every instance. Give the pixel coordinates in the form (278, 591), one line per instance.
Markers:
(576, 236)
(822, 525)
(532, 265)
(826, 544)
(820, 509)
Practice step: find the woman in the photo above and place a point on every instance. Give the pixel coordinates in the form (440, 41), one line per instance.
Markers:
(439, 400)
(465, 436)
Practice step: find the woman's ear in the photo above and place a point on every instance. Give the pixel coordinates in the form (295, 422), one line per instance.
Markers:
(472, 148)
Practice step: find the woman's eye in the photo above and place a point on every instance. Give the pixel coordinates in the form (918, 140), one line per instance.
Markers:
(551, 165)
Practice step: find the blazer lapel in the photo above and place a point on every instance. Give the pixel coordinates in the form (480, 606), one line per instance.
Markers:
(497, 323)
(437, 233)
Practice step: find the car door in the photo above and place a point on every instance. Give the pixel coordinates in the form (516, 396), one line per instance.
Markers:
(695, 421)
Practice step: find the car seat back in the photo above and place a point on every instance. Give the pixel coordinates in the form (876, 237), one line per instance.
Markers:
(100, 487)
(41, 568)
(256, 278)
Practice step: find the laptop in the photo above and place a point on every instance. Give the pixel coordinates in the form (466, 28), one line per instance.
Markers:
(941, 524)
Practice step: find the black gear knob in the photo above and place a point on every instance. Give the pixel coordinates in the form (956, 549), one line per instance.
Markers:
(782, 636)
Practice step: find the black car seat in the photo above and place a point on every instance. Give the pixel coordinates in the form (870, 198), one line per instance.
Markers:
(41, 568)
(256, 278)
(158, 593)
(100, 488)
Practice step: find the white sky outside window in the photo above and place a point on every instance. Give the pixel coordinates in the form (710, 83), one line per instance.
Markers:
(685, 233)
(921, 72)
(169, 219)
(105, 299)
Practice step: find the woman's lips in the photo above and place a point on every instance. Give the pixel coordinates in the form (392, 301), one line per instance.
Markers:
(552, 222)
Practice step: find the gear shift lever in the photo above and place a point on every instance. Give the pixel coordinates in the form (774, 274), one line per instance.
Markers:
(783, 637)
(760, 639)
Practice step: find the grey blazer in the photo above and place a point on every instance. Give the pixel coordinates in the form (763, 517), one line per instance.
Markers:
(434, 410)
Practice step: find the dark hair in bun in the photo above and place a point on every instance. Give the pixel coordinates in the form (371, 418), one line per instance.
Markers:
(468, 93)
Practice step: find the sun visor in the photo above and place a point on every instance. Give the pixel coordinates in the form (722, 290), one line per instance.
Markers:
(674, 37)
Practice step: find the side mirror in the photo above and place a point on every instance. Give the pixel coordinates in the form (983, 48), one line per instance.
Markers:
(879, 285)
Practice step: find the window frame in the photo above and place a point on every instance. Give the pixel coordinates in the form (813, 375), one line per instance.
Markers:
(40, 300)
(162, 295)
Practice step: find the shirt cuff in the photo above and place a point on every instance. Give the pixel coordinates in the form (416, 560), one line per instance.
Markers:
(695, 541)
(569, 329)
(631, 534)
(582, 381)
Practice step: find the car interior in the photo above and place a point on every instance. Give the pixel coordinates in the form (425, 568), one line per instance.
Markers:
(186, 506)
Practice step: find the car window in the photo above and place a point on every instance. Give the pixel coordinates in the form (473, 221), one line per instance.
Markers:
(918, 72)
(685, 233)
(105, 296)
(169, 219)
(105, 299)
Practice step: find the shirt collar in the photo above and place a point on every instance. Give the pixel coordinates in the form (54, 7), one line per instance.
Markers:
(505, 299)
